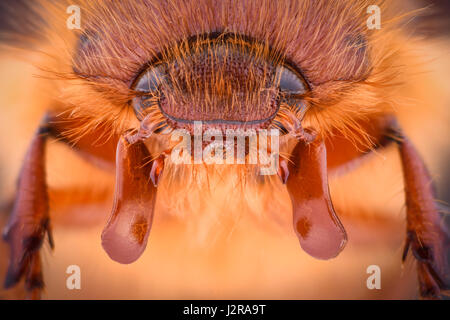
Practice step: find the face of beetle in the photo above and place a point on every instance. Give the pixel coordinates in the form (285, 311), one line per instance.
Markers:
(140, 74)
(222, 80)
(234, 73)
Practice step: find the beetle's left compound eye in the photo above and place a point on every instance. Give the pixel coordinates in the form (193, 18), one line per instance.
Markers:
(148, 86)
(290, 82)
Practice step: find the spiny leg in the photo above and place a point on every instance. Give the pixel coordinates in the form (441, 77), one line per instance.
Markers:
(425, 233)
(29, 222)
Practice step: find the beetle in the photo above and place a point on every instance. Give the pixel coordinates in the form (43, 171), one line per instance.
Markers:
(228, 66)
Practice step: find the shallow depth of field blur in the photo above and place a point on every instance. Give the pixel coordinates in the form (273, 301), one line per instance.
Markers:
(254, 263)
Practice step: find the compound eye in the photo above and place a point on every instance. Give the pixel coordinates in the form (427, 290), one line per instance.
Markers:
(147, 87)
(150, 80)
(289, 81)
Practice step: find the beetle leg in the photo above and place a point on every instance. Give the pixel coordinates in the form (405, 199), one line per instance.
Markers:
(425, 235)
(29, 222)
(125, 235)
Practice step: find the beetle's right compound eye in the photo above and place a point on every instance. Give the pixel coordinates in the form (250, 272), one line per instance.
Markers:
(148, 86)
(150, 80)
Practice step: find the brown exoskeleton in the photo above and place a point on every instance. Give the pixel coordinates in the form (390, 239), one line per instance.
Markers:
(310, 69)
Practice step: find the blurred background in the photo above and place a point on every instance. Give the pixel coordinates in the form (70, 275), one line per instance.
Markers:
(270, 264)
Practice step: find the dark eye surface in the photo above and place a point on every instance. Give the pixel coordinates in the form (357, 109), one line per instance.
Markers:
(219, 81)
(150, 80)
(148, 86)
(289, 81)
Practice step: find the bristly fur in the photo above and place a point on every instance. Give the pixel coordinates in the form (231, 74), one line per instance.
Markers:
(354, 73)
(327, 40)
(220, 223)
